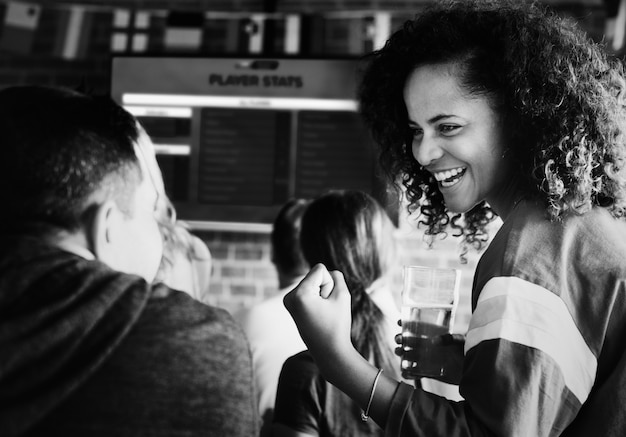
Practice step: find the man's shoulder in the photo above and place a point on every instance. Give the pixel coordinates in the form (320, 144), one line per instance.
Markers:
(180, 302)
(171, 310)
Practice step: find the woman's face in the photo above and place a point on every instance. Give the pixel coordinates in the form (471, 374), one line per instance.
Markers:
(456, 137)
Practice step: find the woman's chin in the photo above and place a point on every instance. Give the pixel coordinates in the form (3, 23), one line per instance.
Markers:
(459, 206)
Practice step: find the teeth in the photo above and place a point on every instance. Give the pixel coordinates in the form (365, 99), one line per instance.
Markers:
(447, 184)
(448, 174)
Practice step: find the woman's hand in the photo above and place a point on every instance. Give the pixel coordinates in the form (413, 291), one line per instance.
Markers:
(320, 306)
(446, 348)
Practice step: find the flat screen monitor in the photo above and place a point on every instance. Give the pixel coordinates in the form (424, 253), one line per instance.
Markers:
(238, 137)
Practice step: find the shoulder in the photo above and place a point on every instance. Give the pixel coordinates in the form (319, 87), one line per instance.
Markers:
(299, 396)
(300, 366)
(190, 341)
(531, 221)
(530, 240)
(263, 309)
(171, 311)
(183, 355)
(300, 377)
(303, 360)
(268, 315)
(568, 271)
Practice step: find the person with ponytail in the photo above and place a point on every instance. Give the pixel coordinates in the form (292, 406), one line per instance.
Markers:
(347, 231)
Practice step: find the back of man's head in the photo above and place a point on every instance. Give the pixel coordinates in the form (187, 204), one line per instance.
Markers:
(286, 253)
(59, 149)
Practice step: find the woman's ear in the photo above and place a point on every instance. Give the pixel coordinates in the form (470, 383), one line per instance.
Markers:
(103, 231)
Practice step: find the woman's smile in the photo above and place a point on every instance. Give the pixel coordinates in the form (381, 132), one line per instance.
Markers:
(449, 178)
(456, 136)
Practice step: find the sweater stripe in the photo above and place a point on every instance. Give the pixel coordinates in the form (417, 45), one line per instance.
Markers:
(512, 309)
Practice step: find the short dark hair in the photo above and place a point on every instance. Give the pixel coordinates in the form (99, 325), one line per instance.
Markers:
(559, 94)
(285, 238)
(58, 148)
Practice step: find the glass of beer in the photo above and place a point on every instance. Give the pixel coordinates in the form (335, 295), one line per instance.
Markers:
(429, 299)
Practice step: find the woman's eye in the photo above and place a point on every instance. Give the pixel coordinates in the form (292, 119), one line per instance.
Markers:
(415, 132)
(448, 129)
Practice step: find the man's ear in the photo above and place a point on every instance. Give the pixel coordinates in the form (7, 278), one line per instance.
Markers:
(103, 230)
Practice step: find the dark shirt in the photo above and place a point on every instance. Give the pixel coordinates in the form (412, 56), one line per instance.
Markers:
(305, 402)
(100, 353)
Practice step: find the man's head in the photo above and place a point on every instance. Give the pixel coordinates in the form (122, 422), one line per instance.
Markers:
(286, 253)
(68, 169)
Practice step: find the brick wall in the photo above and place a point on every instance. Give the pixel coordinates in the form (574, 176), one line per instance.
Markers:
(242, 271)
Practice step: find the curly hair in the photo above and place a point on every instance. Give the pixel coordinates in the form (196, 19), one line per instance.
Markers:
(560, 97)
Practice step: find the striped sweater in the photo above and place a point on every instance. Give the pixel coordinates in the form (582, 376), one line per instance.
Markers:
(545, 352)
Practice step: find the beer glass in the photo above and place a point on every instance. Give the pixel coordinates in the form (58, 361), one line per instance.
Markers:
(429, 300)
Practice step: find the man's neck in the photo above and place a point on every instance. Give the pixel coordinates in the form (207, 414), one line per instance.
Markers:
(75, 243)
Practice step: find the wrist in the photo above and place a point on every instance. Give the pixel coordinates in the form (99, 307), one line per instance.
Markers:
(354, 375)
(334, 367)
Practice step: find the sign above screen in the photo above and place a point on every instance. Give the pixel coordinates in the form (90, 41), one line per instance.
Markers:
(238, 137)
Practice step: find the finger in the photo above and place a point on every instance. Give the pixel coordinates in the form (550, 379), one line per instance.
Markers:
(458, 338)
(310, 285)
(327, 281)
(408, 375)
(317, 278)
(338, 287)
(398, 338)
(448, 339)
(441, 340)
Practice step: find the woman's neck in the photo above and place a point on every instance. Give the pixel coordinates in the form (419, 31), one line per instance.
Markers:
(506, 198)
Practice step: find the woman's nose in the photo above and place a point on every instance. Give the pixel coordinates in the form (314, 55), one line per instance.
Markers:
(426, 150)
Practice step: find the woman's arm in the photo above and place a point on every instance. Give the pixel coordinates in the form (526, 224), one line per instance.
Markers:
(320, 305)
(527, 369)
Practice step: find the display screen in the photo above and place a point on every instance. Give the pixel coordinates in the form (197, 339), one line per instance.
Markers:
(236, 138)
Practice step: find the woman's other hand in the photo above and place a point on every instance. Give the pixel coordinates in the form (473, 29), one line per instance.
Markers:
(320, 306)
(449, 350)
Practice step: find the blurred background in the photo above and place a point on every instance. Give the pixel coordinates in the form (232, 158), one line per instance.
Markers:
(74, 44)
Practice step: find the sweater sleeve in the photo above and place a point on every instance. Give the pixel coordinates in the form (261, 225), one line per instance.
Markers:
(527, 371)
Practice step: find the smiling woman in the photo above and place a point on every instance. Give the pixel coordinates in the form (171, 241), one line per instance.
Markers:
(456, 137)
(500, 107)
(551, 121)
